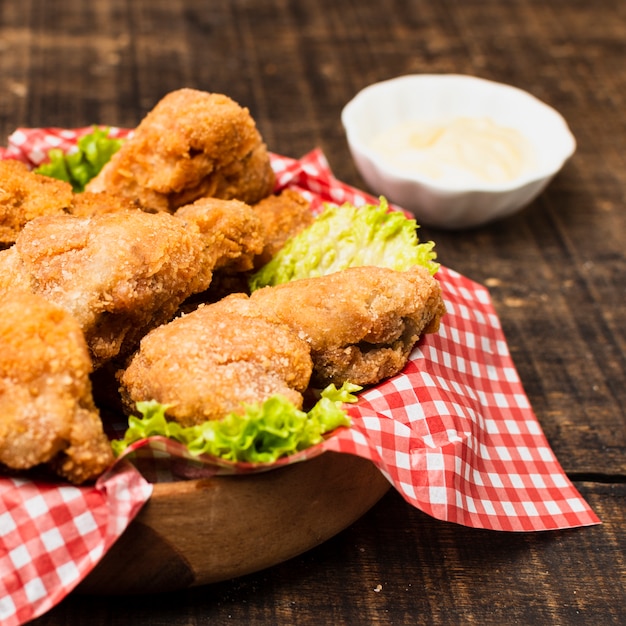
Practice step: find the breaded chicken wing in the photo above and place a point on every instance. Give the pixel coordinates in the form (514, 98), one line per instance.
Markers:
(47, 413)
(206, 364)
(191, 145)
(25, 195)
(120, 274)
(361, 323)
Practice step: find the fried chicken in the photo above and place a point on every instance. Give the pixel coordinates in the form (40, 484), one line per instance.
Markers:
(88, 203)
(192, 144)
(47, 413)
(120, 274)
(233, 233)
(269, 224)
(358, 325)
(361, 323)
(25, 195)
(283, 216)
(206, 364)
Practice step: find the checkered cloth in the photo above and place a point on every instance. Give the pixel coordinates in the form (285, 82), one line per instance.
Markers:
(52, 536)
(454, 433)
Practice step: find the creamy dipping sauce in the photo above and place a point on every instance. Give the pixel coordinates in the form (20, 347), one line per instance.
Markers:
(461, 150)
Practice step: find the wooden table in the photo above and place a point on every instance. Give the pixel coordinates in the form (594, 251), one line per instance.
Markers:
(556, 271)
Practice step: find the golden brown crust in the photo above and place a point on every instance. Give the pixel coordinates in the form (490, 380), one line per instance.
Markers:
(47, 414)
(283, 216)
(88, 203)
(231, 230)
(25, 195)
(119, 274)
(192, 144)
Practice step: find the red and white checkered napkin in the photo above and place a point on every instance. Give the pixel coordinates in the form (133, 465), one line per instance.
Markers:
(31, 145)
(454, 433)
(52, 536)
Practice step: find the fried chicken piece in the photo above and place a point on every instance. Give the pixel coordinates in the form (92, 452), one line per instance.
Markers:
(270, 223)
(47, 413)
(206, 364)
(358, 325)
(283, 216)
(25, 195)
(234, 237)
(361, 323)
(192, 144)
(120, 274)
(232, 231)
(88, 203)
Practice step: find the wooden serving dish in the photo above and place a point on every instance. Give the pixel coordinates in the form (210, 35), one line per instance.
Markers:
(203, 531)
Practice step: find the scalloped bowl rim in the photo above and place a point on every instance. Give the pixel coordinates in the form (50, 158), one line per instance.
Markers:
(395, 98)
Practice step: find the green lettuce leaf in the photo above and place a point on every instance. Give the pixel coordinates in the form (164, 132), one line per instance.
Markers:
(347, 236)
(263, 434)
(93, 151)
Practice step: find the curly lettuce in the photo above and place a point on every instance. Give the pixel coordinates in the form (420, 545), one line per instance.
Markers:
(264, 433)
(93, 152)
(347, 236)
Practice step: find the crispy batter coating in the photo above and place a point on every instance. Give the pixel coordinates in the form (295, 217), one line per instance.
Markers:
(271, 223)
(88, 203)
(283, 216)
(232, 231)
(192, 144)
(25, 195)
(361, 323)
(119, 274)
(204, 365)
(47, 413)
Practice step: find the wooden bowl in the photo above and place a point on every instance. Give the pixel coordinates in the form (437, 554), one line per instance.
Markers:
(203, 531)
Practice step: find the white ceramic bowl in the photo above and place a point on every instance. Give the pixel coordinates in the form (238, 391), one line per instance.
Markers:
(454, 204)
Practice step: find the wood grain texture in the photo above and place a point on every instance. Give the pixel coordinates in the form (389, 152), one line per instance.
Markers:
(556, 271)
